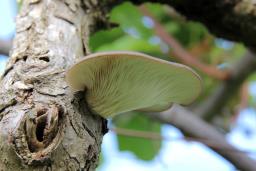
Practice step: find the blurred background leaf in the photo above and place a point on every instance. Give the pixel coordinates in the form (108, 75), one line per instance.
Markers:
(145, 149)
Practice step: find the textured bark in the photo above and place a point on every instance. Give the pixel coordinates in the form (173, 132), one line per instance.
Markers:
(43, 125)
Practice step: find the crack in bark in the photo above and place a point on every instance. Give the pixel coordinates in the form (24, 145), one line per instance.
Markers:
(74, 127)
(61, 17)
(89, 131)
(5, 106)
(48, 94)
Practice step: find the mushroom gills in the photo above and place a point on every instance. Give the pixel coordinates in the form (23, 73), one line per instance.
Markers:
(121, 82)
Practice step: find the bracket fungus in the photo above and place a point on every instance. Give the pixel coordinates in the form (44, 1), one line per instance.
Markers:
(122, 81)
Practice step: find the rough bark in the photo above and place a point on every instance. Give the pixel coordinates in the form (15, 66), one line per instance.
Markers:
(43, 125)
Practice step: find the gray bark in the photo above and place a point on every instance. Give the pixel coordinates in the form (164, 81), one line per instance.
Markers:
(43, 125)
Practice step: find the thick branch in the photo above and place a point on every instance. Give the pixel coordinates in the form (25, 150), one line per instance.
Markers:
(192, 126)
(221, 95)
(5, 47)
(232, 19)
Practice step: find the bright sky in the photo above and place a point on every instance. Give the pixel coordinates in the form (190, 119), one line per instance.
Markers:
(174, 155)
(7, 24)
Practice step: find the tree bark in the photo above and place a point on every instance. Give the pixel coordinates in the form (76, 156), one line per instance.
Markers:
(43, 125)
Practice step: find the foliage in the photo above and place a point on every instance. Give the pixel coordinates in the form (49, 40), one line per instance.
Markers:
(145, 149)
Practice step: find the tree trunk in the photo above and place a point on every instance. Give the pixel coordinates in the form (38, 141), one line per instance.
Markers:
(43, 125)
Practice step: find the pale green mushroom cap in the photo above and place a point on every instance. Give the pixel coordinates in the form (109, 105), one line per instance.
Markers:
(122, 81)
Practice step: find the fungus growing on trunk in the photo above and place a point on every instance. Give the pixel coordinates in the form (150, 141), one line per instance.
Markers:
(122, 81)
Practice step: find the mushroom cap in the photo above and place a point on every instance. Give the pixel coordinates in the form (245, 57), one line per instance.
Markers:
(122, 81)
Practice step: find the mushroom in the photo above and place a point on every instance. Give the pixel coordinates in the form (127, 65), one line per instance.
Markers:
(121, 81)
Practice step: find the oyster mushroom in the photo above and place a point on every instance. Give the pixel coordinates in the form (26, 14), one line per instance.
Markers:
(121, 81)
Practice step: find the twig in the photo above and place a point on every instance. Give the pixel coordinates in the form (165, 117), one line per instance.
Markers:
(180, 53)
(5, 47)
(137, 133)
(194, 127)
(244, 100)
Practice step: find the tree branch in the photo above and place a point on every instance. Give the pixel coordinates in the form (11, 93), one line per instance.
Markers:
(220, 96)
(232, 19)
(5, 47)
(197, 128)
(157, 136)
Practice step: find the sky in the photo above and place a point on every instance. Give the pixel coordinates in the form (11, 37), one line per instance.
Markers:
(174, 155)
(7, 24)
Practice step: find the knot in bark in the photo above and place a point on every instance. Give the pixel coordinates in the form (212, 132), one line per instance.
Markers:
(38, 133)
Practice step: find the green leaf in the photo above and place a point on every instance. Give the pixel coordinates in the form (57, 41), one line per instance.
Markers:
(103, 37)
(144, 149)
(130, 18)
(129, 43)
